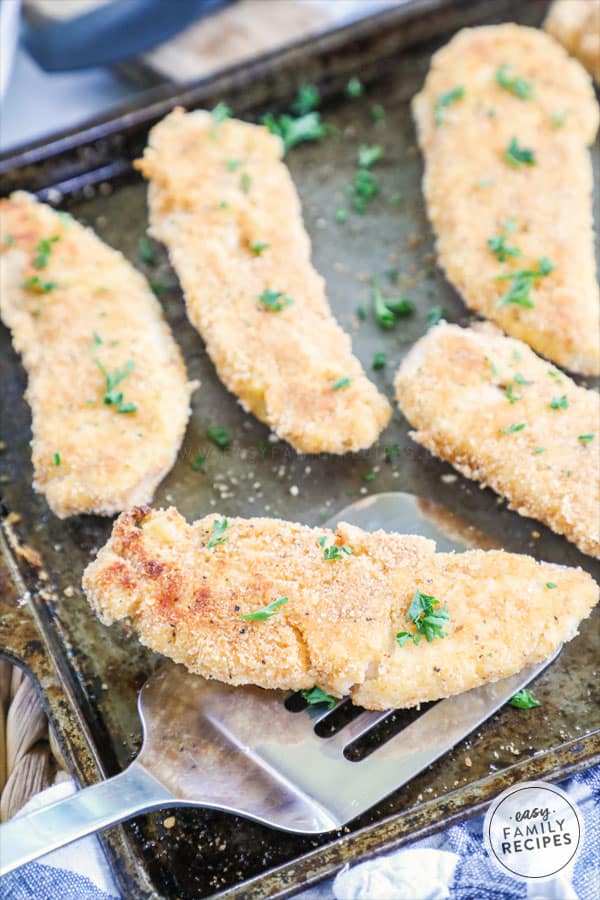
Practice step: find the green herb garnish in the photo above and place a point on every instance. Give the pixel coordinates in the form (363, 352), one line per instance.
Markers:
(386, 309)
(38, 285)
(112, 397)
(233, 164)
(523, 700)
(258, 246)
(428, 616)
(517, 156)
(502, 250)
(559, 402)
(219, 528)
(586, 438)
(9, 240)
(518, 86)
(276, 301)
(343, 382)
(511, 396)
(434, 316)
(220, 113)
(198, 462)
(557, 120)
(370, 476)
(341, 216)
(307, 100)
(354, 88)
(520, 379)
(317, 697)
(219, 436)
(293, 131)
(512, 429)
(335, 551)
(361, 312)
(245, 182)
(363, 189)
(551, 585)
(445, 100)
(377, 112)
(379, 360)
(146, 251)
(368, 156)
(261, 615)
(519, 292)
(43, 249)
(540, 450)
(56, 459)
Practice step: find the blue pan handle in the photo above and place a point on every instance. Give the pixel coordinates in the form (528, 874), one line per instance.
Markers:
(113, 32)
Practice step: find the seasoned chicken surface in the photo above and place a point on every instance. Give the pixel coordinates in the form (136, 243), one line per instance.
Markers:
(576, 24)
(223, 202)
(337, 601)
(107, 384)
(504, 120)
(510, 420)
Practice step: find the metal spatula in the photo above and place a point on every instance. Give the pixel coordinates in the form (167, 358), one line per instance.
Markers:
(244, 750)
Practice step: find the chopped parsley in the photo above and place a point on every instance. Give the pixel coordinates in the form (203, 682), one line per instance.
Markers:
(263, 447)
(379, 360)
(517, 85)
(258, 246)
(233, 164)
(557, 120)
(220, 526)
(220, 113)
(523, 700)
(146, 251)
(386, 309)
(520, 379)
(363, 189)
(368, 156)
(540, 450)
(43, 249)
(586, 438)
(343, 382)
(519, 292)
(112, 397)
(219, 436)
(517, 156)
(511, 396)
(317, 697)
(445, 100)
(370, 476)
(293, 131)
(361, 312)
(38, 285)
(377, 112)
(276, 301)
(551, 585)
(559, 402)
(512, 429)
(502, 250)
(9, 240)
(434, 316)
(335, 551)
(341, 216)
(245, 182)
(354, 88)
(96, 339)
(261, 615)
(429, 618)
(56, 459)
(198, 462)
(307, 100)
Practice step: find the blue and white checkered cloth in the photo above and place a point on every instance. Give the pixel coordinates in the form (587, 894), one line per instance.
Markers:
(451, 864)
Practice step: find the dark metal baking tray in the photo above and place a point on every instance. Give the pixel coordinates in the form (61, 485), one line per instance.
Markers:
(89, 675)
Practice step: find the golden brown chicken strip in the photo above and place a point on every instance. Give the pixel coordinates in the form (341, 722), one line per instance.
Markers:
(504, 120)
(107, 384)
(336, 609)
(223, 202)
(576, 24)
(510, 420)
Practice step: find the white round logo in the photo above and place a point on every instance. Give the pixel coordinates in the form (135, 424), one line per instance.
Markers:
(533, 831)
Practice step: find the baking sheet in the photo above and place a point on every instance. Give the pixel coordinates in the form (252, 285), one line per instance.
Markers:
(206, 852)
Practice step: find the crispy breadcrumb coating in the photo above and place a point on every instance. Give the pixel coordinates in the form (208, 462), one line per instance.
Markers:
(576, 24)
(520, 91)
(510, 420)
(84, 305)
(223, 202)
(338, 627)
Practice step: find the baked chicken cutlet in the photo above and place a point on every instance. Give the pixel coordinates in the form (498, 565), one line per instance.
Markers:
(107, 386)
(508, 419)
(223, 202)
(504, 122)
(379, 616)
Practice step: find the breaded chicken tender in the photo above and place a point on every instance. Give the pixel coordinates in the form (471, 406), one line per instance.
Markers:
(223, 202)
(107, 387)
(504, 120)
(576, 25)
(332, 605)
(510, 420)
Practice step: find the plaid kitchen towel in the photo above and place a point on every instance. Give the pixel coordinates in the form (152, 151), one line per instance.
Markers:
(451, 864)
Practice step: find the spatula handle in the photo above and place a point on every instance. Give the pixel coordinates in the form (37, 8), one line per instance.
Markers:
(91, 809)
